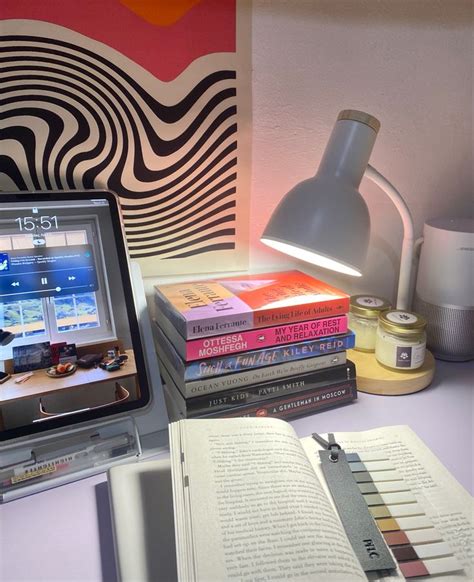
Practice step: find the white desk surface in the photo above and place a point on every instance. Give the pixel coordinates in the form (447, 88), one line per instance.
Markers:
(65, 534)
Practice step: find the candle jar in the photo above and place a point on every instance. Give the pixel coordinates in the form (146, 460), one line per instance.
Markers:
(400, 340)
(363, 319)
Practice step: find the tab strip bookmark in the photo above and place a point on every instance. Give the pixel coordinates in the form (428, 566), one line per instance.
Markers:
(361, 529)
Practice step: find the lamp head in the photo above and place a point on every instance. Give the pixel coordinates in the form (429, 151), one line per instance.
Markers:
(324, 220)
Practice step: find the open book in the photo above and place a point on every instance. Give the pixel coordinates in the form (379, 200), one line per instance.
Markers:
(251, 504)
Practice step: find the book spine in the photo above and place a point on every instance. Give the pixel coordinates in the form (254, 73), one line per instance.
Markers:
(165, 347)
(219, 366)
(265, 337)
(259, 375)
(165, 309)
(304, 312)
(300, 404)
(240, 317)
(268, 390)
(246, 377)
(232, 323)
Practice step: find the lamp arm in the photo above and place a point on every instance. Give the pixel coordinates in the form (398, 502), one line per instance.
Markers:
(406, 258)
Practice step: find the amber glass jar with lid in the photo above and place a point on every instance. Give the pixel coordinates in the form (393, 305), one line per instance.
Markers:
(401, 340)
(363, 319)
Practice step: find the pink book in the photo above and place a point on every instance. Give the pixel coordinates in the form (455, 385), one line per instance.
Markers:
(234, 343)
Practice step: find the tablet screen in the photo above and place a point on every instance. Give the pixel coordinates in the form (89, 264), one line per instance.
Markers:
(70, 345)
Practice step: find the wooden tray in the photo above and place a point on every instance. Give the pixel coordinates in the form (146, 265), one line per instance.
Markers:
(376, 379)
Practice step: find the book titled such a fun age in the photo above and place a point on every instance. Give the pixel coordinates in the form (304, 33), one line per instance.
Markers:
(233, 304)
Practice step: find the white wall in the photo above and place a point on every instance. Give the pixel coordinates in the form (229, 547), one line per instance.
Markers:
(409, 63)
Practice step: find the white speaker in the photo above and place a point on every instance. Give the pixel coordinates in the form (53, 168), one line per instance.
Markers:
(444, 292)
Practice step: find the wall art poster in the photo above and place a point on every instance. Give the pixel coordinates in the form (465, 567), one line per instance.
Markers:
(149, 99)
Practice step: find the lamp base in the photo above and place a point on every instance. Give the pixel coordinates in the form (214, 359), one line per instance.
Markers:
(376, 379)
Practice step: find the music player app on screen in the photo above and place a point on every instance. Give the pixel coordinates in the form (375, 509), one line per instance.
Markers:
(66, 307)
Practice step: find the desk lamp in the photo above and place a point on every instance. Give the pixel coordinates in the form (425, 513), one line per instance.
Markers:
(325, 221)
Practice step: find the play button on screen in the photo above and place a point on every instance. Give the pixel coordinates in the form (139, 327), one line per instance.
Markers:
(47, 272)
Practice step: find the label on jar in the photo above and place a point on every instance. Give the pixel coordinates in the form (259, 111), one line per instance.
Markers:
(410, 356)
(401, 317)
(369, 301)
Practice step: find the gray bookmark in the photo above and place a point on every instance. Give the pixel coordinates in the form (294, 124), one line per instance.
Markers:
(361, 529)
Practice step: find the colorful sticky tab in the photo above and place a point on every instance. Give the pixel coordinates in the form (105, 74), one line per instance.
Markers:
(377, 477)
(357, 467)
(430, 567)
(371, 466)
(415, 522)
(405, 509)
(384, 487)
(421, 536)
(364, 457)
(388, 524)
(367, 488)
(424, 536)
(363, 477)
(403, 523)
(405, 553)
(413, 569)
(442, 565)
(422, 551)
(374, 499)
(416, 544)
(389, 498)
(379, 511)
(433, 550)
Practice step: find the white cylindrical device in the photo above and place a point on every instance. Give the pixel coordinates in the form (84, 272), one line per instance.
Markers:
(444, 292)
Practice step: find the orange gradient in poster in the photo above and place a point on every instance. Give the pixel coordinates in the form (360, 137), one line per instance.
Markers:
(202, 27)
(160, 12)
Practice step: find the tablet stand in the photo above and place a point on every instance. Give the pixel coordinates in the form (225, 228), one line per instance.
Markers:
(39, 462)
(51, 460)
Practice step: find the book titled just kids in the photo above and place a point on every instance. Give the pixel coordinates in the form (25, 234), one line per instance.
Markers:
(234, 304)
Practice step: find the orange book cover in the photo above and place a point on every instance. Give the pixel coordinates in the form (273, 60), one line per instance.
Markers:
(293, 296)
(231, 304)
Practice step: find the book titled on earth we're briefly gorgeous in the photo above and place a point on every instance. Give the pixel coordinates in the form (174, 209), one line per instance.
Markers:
(235, 304)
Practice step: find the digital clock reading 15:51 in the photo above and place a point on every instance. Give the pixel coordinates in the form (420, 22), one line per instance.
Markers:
(43, 222)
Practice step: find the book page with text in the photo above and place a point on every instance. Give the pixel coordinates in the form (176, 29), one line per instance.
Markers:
(446, 503)
(256, 511)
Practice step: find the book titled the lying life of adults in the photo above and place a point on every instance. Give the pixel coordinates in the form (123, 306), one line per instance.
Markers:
(232, 304)
(234, 343)
(285, 406)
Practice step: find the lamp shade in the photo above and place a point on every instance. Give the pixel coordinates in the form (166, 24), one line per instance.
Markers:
(324, 220)
(324, 223)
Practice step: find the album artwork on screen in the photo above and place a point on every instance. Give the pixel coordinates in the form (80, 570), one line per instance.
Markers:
(70, 337)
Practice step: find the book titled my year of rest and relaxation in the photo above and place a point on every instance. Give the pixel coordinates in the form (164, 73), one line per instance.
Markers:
(234, 304)
(251, 504)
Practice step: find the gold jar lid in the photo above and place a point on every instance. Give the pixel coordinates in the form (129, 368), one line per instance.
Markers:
(368, 306)
(402, 322)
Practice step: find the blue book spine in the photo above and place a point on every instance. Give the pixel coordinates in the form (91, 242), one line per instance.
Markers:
(210, 367)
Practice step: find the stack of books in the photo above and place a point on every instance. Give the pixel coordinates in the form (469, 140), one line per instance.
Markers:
(271, 344)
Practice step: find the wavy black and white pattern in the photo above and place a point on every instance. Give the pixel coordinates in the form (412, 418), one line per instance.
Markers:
(73, 118)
